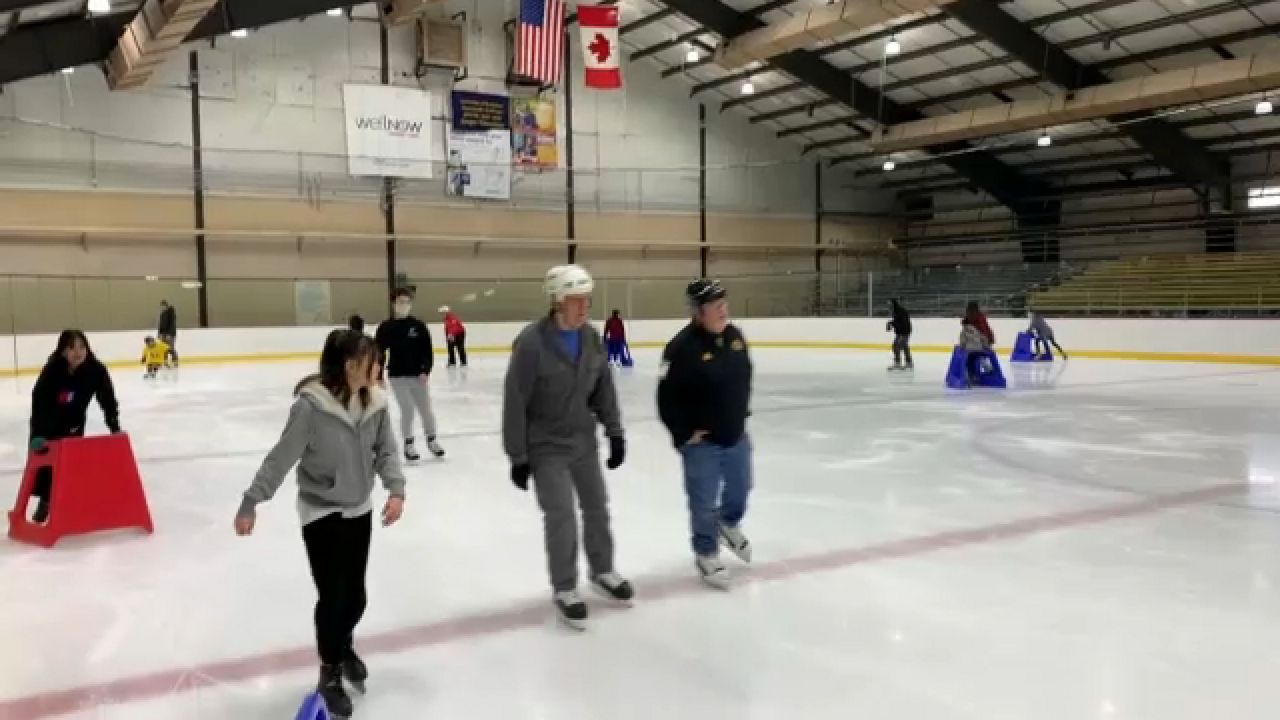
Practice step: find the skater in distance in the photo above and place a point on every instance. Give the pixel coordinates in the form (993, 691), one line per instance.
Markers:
(704, 399)
(408, 341)
(558, 387)
(900, 326)
(70, 378)
(974, 316)
(455, 336)
(339, 436)
(1042, 335)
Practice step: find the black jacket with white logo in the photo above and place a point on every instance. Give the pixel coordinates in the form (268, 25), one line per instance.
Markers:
(706, 385)
(409, 343)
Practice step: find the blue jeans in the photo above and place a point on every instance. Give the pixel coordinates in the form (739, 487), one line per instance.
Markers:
(717, 481)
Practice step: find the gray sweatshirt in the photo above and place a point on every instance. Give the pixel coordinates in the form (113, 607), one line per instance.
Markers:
(337, 451)
(1040, 327)
(551, 404)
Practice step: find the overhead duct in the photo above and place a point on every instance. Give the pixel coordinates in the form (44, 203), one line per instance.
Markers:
(1211, 81)
(812, 27)
(158, 30)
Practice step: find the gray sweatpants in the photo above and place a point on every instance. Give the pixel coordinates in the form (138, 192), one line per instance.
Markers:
(412, 396)
(557, 480)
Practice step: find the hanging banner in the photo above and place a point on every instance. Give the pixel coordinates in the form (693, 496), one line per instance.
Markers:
(533, 132)
(388, 130)
(480, 164)
(599, 25)
(480, 112)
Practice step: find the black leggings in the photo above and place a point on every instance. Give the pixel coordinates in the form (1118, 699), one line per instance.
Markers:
(42, 488)
(338, 549)
(902, 346)
(458, 342)
(1040, 345)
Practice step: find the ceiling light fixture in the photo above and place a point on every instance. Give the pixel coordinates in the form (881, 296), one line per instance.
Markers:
(99, 7)
(68, 71)
(1264, 107)
(692, 56)
(893, 47)
(334, 12)
(889, 165)
(240, 33)
(748, 88)
(1045, 140)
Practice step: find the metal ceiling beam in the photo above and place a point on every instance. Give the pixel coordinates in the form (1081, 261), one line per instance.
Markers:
(667, 44)
(647, 20)
(1001, 181)
(772, 92)
(11, 5)
(847, 120)
(1185, 157)
(1097, 39)
(828, 144)
(230, 15)
(48, 47)
(709, 58)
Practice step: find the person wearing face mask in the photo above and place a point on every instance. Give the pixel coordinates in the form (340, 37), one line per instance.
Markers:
(408, 341)
(558, 387)
(70, 379)
(704, 399)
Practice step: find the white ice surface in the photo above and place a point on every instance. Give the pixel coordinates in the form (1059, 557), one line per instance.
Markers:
(1162, 614)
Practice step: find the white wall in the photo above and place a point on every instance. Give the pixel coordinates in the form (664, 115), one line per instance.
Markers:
(1230, 340)
(272, 122)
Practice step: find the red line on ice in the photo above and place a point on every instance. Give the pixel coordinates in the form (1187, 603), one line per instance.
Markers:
(157, 684)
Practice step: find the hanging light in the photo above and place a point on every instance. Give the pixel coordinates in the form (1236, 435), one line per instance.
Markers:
(889, 165)
(99, 7)
(334, 12)
(692, 56)
(893, 47)
(240, 33)
(748, 88)
(1264, 107)
(1045, 139)
(68, 71)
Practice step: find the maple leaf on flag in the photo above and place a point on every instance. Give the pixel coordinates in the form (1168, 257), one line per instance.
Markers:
(600, 48)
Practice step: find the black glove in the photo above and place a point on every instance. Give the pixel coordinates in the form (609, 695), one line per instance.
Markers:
(617, 452)
(520, 476)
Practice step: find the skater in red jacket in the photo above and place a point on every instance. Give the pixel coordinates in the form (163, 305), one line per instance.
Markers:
(455, 335)
(974, 316)
(615, 339)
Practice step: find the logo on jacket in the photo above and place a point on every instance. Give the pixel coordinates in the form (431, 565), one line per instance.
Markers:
(708, 357)
(66, 396)
(413, 332)
(737, 345)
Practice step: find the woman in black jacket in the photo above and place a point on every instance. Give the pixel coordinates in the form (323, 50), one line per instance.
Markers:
(69, 380)
(900, 325)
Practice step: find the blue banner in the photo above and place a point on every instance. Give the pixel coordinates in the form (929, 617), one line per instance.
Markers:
(480, 112)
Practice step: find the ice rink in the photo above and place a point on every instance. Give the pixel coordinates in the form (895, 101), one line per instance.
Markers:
(1102, 540)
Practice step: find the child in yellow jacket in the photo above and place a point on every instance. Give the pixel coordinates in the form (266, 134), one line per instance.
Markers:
(154, 356)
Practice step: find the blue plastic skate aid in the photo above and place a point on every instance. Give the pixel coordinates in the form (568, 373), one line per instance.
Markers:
(1022, 350)
(958, 372)
(313, 708)
(626, 356)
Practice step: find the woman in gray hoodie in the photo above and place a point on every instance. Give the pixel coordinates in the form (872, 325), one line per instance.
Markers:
(339, 435)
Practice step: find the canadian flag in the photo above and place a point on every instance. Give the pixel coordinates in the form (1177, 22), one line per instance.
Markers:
(600, 49)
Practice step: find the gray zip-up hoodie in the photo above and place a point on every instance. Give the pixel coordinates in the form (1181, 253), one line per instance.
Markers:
(337, 453)
(551, 404)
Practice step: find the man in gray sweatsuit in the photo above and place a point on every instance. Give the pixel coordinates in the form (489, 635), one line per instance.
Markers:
(558, 386)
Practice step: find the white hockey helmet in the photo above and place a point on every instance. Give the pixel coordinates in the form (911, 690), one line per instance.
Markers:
(565, 280)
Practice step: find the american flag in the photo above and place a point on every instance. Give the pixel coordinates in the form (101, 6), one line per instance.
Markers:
(540, 40)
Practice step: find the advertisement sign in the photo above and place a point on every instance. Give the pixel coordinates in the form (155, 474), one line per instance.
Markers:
(480, 165)
(533, 133)
(388, 130)
(480, 112)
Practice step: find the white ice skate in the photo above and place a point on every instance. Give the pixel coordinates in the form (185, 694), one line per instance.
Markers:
(571, 609)
(434, 447)
(614, 587)
(732, 538)
(713, 571)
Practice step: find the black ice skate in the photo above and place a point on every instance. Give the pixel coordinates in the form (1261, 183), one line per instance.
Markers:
(615, 587)
(410, 452)
(41, 515)
(434, 447)
(336, 700)
(354, 670)
(573, 612)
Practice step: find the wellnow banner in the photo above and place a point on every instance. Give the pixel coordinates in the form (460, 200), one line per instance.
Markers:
(388, 130)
